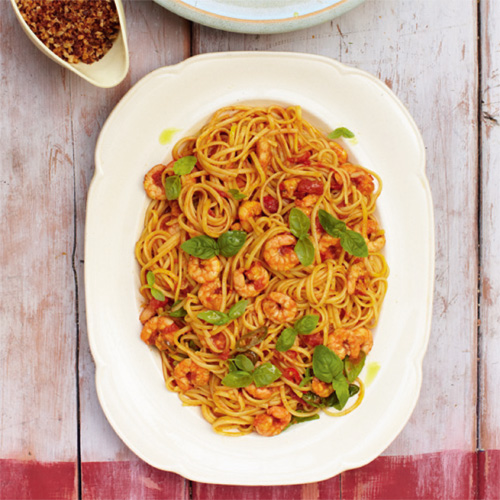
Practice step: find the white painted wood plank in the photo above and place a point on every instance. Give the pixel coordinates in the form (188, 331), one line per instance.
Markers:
(156, 38)
(38, 417)
(490, 230)
(426, 52)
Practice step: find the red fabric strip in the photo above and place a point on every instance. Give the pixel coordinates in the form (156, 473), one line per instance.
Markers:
(31, 480)
(489, 474)
(130, 480)
(446, 475)
(326, 489)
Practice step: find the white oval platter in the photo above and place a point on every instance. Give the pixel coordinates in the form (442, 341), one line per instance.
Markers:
(130, 386)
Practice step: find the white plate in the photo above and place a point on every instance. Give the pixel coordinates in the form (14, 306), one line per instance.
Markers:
(150, 419)
(259, 16)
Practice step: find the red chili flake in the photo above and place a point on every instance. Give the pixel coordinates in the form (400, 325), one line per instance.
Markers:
(293, 375)
(270, 204)
(222, 193)
(76, 31)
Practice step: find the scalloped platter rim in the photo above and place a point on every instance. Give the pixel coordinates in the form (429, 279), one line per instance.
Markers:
(151, 420)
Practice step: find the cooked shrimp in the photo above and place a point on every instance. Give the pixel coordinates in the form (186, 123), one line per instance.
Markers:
(151, 309)
(153, 182)
(305, 204)
(159, 331)
(339, 151)
(251, 282)
(210, 295)
(329, 247)
(360, 178)
(204, 270)
(248, 210)
(375, 237)
(188, 374)
(279, 254)
(264, 152)
(346, 342)
(289, 186)
(260, 392)
(322, 389)
(279, 307)
(273, 421)
(355, 274)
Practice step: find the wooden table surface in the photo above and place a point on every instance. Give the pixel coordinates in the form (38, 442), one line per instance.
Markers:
(442, 58)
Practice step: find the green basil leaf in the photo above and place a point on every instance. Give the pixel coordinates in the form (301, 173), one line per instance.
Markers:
(252, 356)
(313, 399)
(202, 247)
(184, 165)
(286, 339)
(178, 313)
(305, 251)
(157, 294)
(251, 339)
(341, 387)
(230, 242)
(351, 369)
(307, 378)
(299, 223)
(353, 389)
(237, 194)
(150, 278)
(237, 379)
(232, 366)
(307, 324)
(173, 187)
(214, 317)
(326, 364)
(333, 226)
(340, 132)
(266, 374)
(354, 243)
(243, 363)
(238, 309)
(299, 420)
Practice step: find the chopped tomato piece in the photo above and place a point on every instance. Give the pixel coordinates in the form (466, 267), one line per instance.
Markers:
(270, 204)
(309, 186)
(313, 340)
(156, 304)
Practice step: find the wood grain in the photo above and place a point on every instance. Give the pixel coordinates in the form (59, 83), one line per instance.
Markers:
(489, 346)
(490, 231)
(37, 287)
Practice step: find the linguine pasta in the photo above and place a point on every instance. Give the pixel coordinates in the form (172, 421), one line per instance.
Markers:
(261, 270)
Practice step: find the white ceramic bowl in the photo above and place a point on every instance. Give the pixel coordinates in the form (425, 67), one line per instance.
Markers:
(109, 71)
(259, 16)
